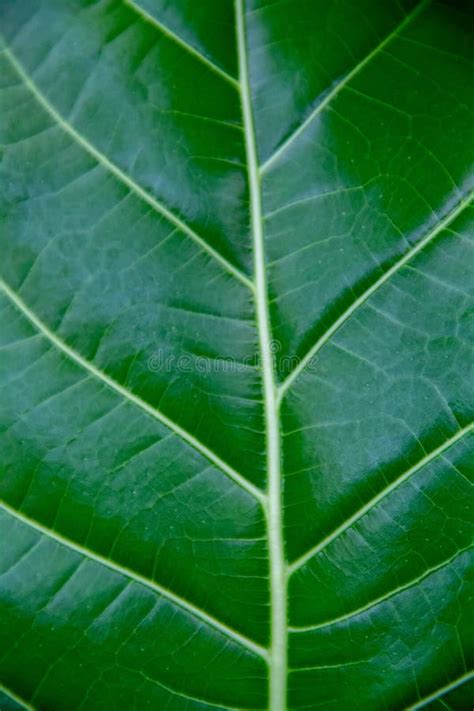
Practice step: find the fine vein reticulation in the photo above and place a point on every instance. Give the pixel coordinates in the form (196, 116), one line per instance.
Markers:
(274, 389)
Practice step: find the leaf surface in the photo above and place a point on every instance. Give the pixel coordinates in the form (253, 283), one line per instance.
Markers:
(236, 404)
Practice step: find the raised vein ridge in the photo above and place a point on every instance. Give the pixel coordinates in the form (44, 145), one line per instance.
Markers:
(418, 247)
(373, 603)
(15, 697)
(182, 42)
(341, 84)
(423, 703)
(123, 177)
(278, 584)
(302, 560)
(137, 577)
(124, 392)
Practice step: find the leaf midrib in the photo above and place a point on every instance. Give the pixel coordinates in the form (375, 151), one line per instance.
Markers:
(278, 664)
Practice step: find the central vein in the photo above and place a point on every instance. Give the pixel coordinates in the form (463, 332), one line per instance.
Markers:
(278, 652)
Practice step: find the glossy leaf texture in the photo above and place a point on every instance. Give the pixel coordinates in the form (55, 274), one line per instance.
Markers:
(236, 398)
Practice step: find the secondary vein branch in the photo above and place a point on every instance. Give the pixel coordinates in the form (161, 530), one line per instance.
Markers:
(90, 367)
(123, 177)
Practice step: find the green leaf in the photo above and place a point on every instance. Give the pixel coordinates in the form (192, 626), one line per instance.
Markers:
(234, 355)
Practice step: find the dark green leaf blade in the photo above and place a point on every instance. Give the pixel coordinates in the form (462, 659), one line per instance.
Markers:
(236, 409)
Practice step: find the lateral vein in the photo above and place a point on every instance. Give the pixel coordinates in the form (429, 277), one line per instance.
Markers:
(137, 577)
(124, 392)
(120, 175)
(422, 703)
(182, 42)
(382, 598)
(341, 84)
(16, 698)
(302, 560)
(182, 695)
(418, 247)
